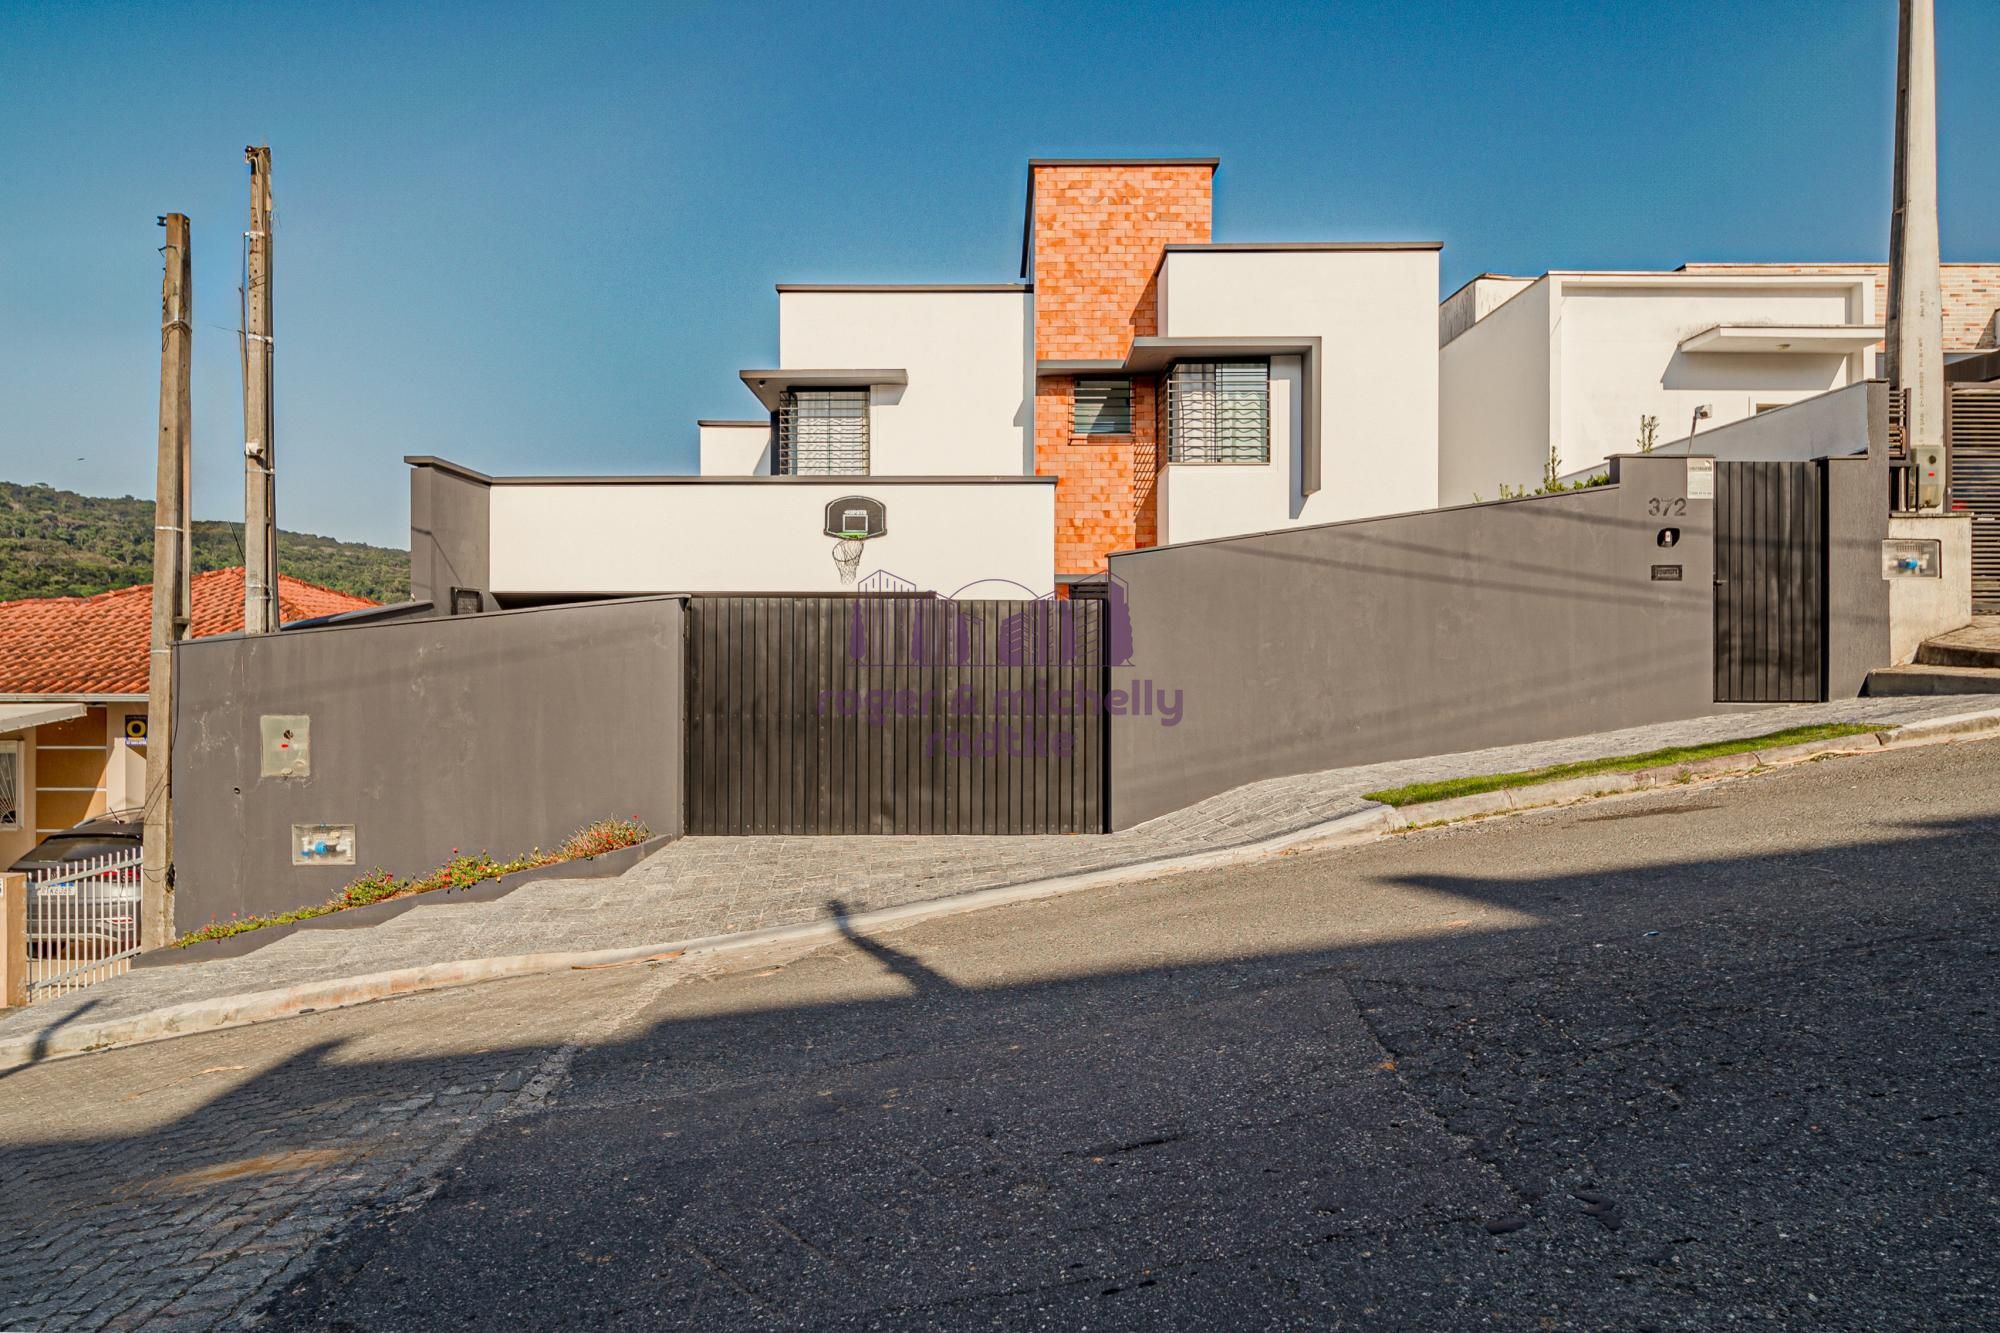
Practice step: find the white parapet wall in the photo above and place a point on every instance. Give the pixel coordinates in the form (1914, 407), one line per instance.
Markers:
(968, 405)
(971, 536)
(1374, 311)
(735, 448)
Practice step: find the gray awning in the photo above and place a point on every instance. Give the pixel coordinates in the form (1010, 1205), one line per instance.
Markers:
(770, 385)
(20, 717)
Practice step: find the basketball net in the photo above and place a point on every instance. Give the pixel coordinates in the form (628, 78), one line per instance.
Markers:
(847, 557)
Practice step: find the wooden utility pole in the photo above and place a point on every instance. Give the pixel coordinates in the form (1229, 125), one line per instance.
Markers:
(170, 577)
(260, 524)
(1916, 300)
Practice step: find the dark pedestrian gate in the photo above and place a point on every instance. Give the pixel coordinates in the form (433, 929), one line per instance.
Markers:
(895, 714)
(1770, 582)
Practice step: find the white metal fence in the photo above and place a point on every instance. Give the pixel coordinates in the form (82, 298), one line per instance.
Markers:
(83, 922)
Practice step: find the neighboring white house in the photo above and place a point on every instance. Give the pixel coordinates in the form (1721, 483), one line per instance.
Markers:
(1579, 360)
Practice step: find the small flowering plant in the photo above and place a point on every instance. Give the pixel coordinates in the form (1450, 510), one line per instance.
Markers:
(606, 835)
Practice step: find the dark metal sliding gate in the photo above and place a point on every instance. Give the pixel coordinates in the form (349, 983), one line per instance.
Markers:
(895, 714)
(1770, 582)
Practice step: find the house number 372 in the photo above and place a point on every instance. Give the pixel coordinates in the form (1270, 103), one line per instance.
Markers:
(1659, 506)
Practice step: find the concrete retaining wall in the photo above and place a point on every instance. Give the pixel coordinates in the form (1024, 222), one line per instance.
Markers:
(502, 732)
(1420, 634)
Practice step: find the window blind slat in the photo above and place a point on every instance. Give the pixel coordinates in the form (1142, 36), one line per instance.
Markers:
(824, 432)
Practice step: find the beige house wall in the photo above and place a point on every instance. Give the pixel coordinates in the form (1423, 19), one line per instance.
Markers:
(125, 768)
(71, 761)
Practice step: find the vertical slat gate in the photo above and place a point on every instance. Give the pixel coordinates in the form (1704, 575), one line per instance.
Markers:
(1973, 427)
(1770, 582)
(83, 923)
(897, 714)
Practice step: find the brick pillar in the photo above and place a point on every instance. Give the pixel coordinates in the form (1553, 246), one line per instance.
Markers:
(1099, 232)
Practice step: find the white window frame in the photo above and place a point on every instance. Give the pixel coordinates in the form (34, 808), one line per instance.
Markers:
(16, 819)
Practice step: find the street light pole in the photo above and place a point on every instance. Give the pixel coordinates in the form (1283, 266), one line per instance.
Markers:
(170, 581)
(1916, 301)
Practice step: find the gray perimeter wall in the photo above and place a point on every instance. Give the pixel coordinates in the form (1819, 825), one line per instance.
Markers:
(1857, 596)
(502, 732)
(1418, 634)
(450, 534)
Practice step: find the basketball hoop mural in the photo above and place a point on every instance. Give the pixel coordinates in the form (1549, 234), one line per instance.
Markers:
(854, 519)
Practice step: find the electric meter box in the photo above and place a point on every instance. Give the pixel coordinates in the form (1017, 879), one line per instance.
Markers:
(322, 844)
(287, 746)
(1912, 558)
(1927, 461)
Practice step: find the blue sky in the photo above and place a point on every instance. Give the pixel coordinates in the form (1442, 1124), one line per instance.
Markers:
(543, 239)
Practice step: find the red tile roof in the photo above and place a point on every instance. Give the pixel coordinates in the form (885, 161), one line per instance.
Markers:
(97, 645)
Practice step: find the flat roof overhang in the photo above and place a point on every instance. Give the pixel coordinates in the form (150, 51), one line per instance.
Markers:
(1793, 338)
(23, 716)
(770, 386)
(1151, 356)
(1252, 247)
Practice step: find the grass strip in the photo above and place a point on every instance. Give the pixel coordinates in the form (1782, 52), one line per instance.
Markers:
(1418, 793)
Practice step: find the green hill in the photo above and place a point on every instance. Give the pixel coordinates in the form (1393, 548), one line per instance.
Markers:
(60, 544)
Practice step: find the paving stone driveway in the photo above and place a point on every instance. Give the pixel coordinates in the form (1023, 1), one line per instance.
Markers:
(700, 887)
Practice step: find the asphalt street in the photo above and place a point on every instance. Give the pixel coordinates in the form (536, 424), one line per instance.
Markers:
(1721, 1054)
(1717, 1055)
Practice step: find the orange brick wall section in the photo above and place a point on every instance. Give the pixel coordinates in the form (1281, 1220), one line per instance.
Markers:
(1099, 235)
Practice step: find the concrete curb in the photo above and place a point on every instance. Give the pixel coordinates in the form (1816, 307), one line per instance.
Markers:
(231, 1011)
(1365, 825)
(1959, 726)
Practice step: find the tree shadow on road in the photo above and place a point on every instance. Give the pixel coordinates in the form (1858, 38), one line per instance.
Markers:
(907, 966)
(39, 1051)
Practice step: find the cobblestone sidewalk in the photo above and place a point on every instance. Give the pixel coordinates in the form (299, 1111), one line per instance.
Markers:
(180, 1185)
(700, 887)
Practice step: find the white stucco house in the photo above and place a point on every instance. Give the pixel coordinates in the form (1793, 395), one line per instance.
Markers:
(1579, 360)
(1137, 384)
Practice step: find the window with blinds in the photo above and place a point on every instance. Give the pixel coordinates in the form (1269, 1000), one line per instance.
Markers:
(823, 432)
(1219, 412)
(1103, 407)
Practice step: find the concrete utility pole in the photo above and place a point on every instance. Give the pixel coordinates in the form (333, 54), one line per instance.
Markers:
(260, 523)
(170, 577)
(1916, 301)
